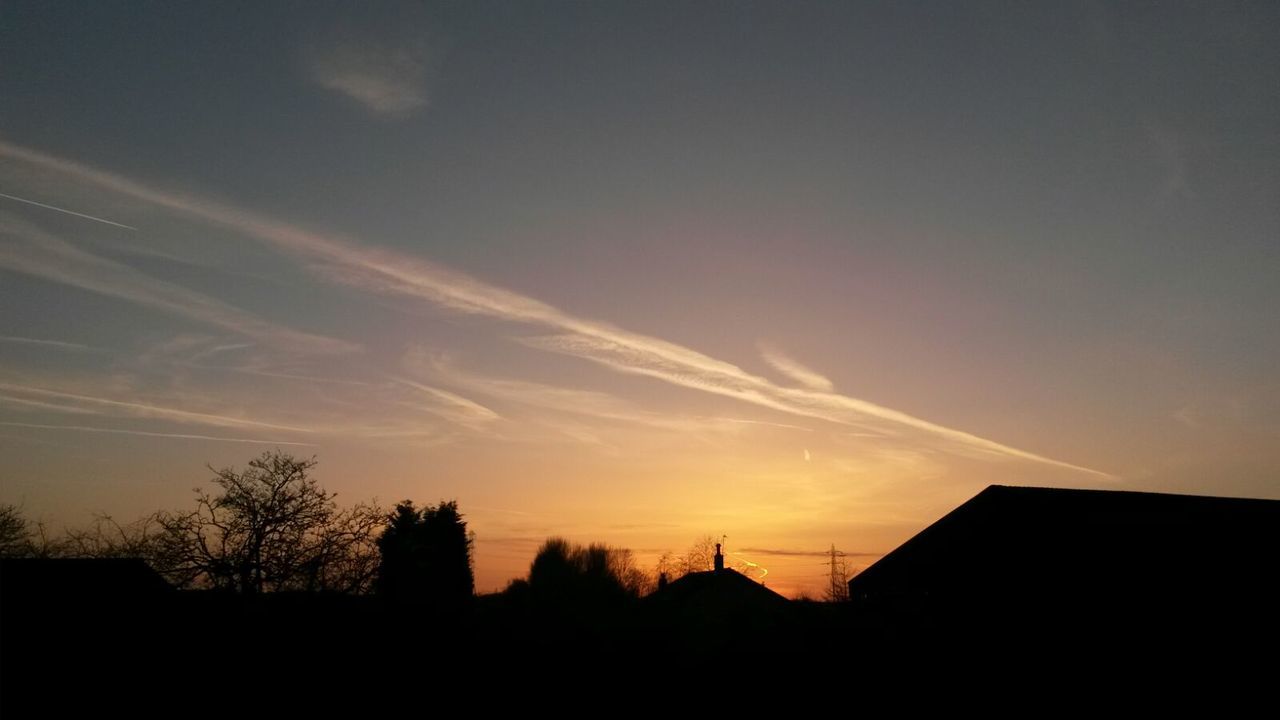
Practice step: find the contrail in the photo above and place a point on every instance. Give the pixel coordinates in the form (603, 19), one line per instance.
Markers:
(793, 369)
(46, 343)
(149, 411)
(389, 273)
(181, 436)
(69, 212)
(47, 256)
(752, 566)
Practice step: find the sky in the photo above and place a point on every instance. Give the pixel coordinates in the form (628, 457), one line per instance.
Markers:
(791, 274)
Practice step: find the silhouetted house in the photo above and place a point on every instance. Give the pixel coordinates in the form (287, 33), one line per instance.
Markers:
(38, 595)
(63, 612)
(42, 580)
(719, 598)
(1016, 562)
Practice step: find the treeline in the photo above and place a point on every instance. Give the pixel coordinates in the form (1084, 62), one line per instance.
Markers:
(271, 527)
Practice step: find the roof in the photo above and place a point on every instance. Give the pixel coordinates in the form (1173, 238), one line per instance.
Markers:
(1058, 547)
(717, 597)
(725, 585)
(39, 579)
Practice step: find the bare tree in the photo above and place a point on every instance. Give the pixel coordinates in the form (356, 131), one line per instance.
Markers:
(269, 527)
(108, 538)
(669, 566)
(15, 534)
(701, 555)
(21, 538)
(345, 556)
(632, 577)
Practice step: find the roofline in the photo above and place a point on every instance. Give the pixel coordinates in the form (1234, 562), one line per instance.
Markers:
(924, 534)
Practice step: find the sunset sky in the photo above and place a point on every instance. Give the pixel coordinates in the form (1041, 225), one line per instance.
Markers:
(797, 274)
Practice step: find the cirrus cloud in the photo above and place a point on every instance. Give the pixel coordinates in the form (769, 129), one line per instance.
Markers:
(387, 70)
(384, 272)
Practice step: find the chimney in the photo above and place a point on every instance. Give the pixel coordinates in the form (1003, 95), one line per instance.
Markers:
(662, 580)
(719, 559)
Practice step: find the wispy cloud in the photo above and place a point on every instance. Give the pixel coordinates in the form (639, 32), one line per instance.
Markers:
(219, 349)
(32, 251)
(65, 211)
(1207, 412)
(283, 375)
(574, 401)
(86, 404)
(765, 423)
(383, 271)
(552, 397)
(57, 344)
(783, 552)
(794, 370)
(452, 406)
(29, 404)
(144, 433)
(518, 541)
(390, 80)
(633, 355)
(197, 351)
(360, 422)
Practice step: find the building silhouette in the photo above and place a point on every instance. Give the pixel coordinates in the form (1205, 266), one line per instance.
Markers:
(1049, 567)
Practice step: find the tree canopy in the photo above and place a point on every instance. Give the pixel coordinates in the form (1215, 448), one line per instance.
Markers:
(15, 536)
(426, 555)
(565, 571)
(268, 527)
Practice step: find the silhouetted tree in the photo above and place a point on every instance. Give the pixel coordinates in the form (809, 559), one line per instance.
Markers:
(576, 574)
(555, 566)
(669, 565)
(107, 538)
(426, 556)
(700, 557)
(22, 538)
(626, 569)
(344, 557)
(15, 535)
(271, 527)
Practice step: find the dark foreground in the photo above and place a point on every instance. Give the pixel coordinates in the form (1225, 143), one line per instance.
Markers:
(295, 651)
